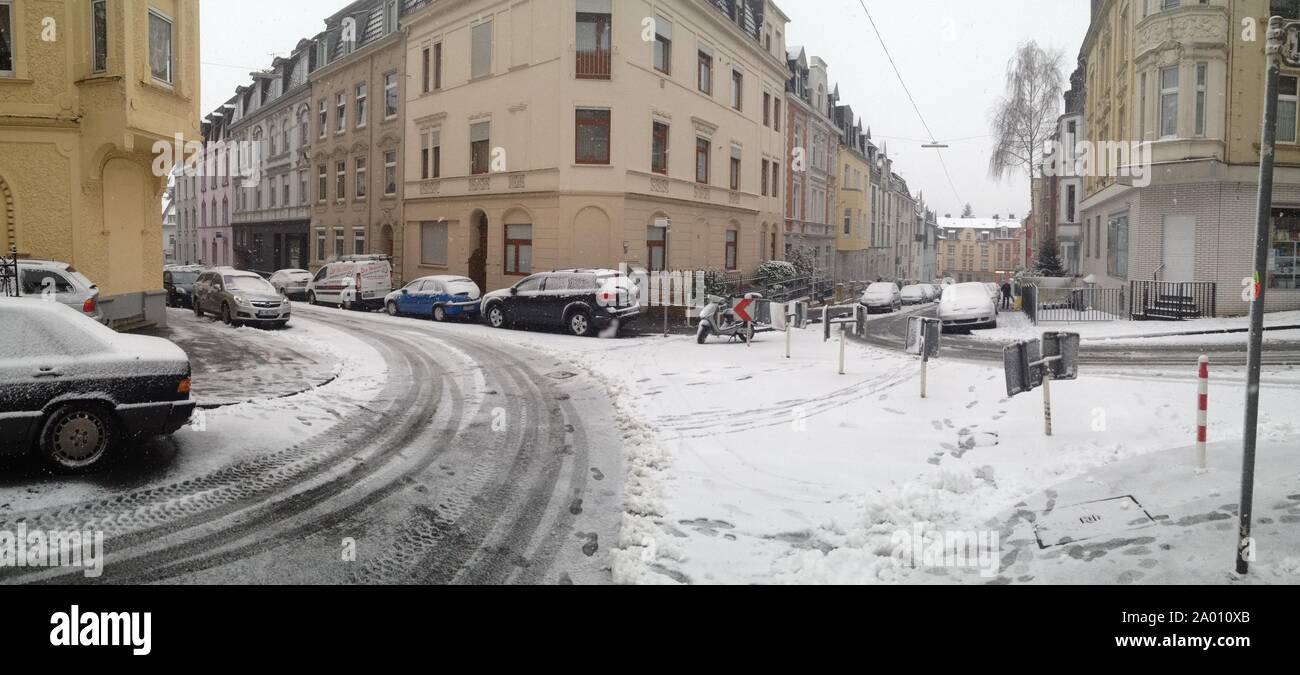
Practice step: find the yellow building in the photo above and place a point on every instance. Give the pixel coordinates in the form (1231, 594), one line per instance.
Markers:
(853, 231)
(1183, 81)
(86, 90)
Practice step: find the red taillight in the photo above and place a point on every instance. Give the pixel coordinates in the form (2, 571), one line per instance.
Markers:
(88, 306)
(608, 297)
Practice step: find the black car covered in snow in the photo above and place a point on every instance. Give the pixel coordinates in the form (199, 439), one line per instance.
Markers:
(584, 302)
(76, 391)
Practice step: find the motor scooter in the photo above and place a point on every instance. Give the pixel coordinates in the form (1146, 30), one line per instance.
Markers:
(720, 322)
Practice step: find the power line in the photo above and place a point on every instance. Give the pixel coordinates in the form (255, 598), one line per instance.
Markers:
(910, 99)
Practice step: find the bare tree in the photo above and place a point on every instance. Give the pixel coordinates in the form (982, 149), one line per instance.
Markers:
(1025, 117)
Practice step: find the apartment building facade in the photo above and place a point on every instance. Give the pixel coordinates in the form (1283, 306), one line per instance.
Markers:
(79, 117)
(978, 249)
(570, 133)
(812, 144)
(356, 157)
(854, 200)
(269, 133)
(1179, 78)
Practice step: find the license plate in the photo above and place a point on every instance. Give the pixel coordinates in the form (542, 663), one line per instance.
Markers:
(267, 315)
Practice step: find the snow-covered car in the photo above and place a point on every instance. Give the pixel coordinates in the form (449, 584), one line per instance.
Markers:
(914, 294)
(583, 301)
(353, 282)
(76, 391)
(60, 282)
(240, 298)
(291, 283)
(968, 306)
(438, 297)
(882, 296)
(932, 292)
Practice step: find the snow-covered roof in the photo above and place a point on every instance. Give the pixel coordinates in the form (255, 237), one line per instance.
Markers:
(979, 223)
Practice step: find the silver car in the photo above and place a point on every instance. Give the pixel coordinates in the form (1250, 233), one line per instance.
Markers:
(240, 298)
(60, 282)
(291, 283)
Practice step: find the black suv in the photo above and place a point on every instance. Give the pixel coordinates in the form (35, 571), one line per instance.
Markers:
(584, 302)
(179, 283)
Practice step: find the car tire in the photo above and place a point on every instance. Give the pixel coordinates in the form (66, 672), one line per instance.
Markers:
(439, 314)
(226, 318)
(345, 305)
(280, 325)
(311, 298)
(78, 437)
(496, 317)
(198, 308)
(391, 308)
(580, 324)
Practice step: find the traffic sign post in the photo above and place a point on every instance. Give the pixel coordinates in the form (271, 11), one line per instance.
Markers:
(923, 336)
(1030, 365)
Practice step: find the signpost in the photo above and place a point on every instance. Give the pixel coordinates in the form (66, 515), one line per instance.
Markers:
(923, 336)
(1030, 365)
(841, 316)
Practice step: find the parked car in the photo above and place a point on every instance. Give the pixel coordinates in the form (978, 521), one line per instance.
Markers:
(240, 298)
(882, 296)
(77, 392)
(291, 283)
(583, 301)
(178, 281)
(932, 292)
(59, 281)
(438, 297)
(353, 282)
(968, 306)
(914, 294)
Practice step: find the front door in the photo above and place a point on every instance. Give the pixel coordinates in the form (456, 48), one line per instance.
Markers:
(478, 259)
(1180, 249)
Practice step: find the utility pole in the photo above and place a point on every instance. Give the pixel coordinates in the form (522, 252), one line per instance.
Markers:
(1273, 56)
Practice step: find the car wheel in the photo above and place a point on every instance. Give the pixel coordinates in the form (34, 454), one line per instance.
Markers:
(198, 308)
(392, 308)
(496, 317)
(345, 305)
(78, 437)
(580, 323)
(311, 298)
(225, 316)
(439, 314)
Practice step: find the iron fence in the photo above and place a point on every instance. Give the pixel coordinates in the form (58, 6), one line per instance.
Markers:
(1029, 302)
(1083, 305)
(1172, 300)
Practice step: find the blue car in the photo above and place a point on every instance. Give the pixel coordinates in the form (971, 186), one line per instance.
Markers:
(438, 298)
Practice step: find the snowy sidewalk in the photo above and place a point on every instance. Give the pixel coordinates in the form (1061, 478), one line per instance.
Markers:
(1153, 519)
(241, 365)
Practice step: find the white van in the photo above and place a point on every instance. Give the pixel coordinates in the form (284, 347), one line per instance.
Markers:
(353, 282)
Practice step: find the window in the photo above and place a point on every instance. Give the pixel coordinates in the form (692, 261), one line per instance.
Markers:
(737, 90)
(657, 246)
(304, 128)
(360, 170)
(322, 183)
(1142, 109)
(390, 173)
(437, 66)
(732, 237)
(763, 179)
(663, 45)
(324, 118)
(1117, 247)
(1169, 102)
(701, 161)
(848, 222)
(479, 148)
(275, 142)
(776, 179)
(320, 245)
(593, 37)
(519, 249)
(433, 243)
(98, 36)
(659, 148)
(361, 105)
(1286, 110)
(735, 168)
(435, 154)
(1284, 254)
(302, 187)
(341, 113)
(1070, 198)
(1201, 76)
(390, 95)
(592, 133)
(767, 112)
(424, 156)
(425, 58)
(6, 39)
(776, 113)
(481, 50)
(160, 47)
(706, 70)
(340, 181)
(338, 243)
(358, 241)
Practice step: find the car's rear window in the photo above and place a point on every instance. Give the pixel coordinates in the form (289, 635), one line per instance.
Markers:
(458, 286)
(882, 288)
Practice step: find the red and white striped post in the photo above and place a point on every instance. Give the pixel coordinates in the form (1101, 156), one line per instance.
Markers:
(1202, 405)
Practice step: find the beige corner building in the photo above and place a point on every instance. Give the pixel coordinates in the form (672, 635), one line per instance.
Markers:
(86, 89)
(588, 133)
(1185, 79)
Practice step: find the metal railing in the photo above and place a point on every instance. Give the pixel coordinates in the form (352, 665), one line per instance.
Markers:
(594, 65)
(1172, 300)
(1083, 305)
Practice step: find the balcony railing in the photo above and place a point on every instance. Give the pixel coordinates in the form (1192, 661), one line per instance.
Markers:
(594, 65)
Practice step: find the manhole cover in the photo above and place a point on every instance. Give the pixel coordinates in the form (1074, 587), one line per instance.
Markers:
(1090, 520)
(561, 375)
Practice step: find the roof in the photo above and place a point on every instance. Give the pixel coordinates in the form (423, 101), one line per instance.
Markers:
(978, 223)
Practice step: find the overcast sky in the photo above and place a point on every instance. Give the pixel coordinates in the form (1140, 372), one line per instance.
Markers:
(952, 54)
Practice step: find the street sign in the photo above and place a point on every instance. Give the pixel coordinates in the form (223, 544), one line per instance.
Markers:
(741, 309)
(837, 314)
(1022, 375)
(1066, 346)
(923, 336)
(800, 314)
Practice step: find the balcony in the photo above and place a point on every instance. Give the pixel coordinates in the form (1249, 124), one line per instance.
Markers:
(594, 64)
